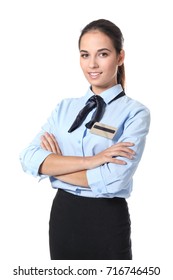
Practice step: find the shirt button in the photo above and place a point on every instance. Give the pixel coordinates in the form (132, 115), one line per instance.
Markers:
(79, 141)
(78, 191)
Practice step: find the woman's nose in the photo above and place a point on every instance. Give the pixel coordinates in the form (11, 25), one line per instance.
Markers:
(93, 62)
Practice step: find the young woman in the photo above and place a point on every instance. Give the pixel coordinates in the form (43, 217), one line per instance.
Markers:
(92, 160)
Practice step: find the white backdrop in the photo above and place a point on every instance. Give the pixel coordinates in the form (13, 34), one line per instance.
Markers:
(39, 65)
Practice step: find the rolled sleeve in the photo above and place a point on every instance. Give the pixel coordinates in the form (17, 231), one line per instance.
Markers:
(111, 179)
(114, 179)
(31, 159)
(33, 156)
(96, 181)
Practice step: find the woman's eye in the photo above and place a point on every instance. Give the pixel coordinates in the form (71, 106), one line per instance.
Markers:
(103, 54)
(84, 55)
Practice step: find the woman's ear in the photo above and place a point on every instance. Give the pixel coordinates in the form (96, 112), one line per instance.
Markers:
(121, 57)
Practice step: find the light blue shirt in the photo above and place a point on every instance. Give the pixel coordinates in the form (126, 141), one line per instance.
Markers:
(130, 117)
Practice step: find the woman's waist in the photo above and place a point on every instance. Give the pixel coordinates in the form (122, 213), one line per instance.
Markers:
(83, 191)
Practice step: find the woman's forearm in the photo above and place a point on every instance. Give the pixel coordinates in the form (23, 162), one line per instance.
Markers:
(55, 165)
(77, 178)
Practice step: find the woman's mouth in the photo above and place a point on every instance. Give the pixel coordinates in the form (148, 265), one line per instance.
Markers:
(94, 75)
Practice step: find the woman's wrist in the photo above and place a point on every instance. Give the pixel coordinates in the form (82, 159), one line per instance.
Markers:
(91, 162)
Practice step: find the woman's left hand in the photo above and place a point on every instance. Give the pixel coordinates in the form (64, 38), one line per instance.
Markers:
(49, 143)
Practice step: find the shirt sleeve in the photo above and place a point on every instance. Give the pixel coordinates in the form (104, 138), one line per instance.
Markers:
(32, 157)
(112, 179)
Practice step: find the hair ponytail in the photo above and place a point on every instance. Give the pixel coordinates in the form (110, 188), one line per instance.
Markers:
(121, 76)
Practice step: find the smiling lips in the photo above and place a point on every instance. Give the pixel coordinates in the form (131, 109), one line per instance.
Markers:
(94, 75)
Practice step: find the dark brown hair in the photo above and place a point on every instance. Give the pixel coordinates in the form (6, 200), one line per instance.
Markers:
(115, 34)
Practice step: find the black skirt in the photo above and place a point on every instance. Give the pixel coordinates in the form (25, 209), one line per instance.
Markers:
(83, 228)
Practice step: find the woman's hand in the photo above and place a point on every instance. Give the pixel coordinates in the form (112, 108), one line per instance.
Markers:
(122, 149)
(49, 143)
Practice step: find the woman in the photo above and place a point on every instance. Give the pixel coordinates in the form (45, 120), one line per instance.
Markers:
(91, 160)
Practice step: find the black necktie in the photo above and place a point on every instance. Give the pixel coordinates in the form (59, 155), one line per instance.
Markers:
(94, 101)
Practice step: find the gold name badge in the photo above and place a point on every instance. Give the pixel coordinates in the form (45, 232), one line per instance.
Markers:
(103, 130)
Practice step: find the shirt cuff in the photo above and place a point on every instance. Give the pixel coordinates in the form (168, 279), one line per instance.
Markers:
(31, 163)
(96, 182)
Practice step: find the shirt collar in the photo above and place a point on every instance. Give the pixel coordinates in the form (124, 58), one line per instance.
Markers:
(107, 95)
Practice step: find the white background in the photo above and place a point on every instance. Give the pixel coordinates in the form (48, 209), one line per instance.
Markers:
(39, 65)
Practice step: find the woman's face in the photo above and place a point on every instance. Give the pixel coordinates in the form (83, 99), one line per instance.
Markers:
(99, 60)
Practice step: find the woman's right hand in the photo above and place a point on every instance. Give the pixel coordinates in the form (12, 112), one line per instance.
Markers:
(122, 149)
(49, 143)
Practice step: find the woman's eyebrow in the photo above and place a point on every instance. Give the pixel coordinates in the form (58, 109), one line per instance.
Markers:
(104, 49)
(83, 51)
(99, 50)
